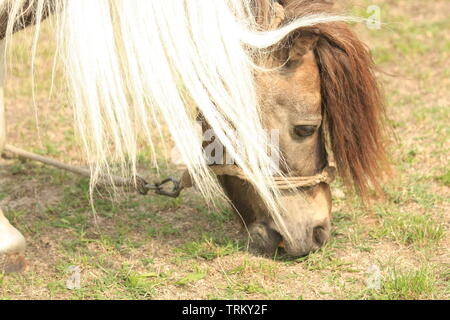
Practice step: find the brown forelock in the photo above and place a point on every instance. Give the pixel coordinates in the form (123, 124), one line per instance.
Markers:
(353, 106)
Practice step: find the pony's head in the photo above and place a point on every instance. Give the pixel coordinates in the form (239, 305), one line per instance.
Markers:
(320, 95)
(321, 91)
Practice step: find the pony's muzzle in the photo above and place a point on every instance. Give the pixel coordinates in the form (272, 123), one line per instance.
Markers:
(265, 239)
(308, 239)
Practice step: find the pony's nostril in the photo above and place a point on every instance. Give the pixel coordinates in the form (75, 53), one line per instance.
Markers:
(320, 235)
(263, 239)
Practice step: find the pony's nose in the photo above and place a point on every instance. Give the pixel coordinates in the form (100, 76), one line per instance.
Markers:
(308, 240)
(320, 234)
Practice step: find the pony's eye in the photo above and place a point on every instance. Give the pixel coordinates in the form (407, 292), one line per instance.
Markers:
(305, 130)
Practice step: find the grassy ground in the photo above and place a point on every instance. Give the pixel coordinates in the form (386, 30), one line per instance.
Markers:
(155, 248)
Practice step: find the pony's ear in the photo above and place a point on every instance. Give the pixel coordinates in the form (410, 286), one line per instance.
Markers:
(301, 43)
(291, 51)
(353, 107)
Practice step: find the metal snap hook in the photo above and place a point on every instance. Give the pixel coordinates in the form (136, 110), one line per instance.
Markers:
(159, 189)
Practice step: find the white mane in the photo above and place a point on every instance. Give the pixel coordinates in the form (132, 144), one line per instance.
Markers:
(136, 64)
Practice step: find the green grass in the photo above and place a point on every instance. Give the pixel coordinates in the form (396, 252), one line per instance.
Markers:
(407, 285)
(445, 178)
(247, 288)
(409, 229)
(208, 248)
(139, 286)
(196, 275)
(325, 259)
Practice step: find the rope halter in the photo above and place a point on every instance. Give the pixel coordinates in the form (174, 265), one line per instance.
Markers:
(327, 176)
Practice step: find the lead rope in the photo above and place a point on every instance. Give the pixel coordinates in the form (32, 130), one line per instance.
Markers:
(138, 183)
(172, 187)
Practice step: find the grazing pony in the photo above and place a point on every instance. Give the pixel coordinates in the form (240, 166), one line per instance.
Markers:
(291, 67)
